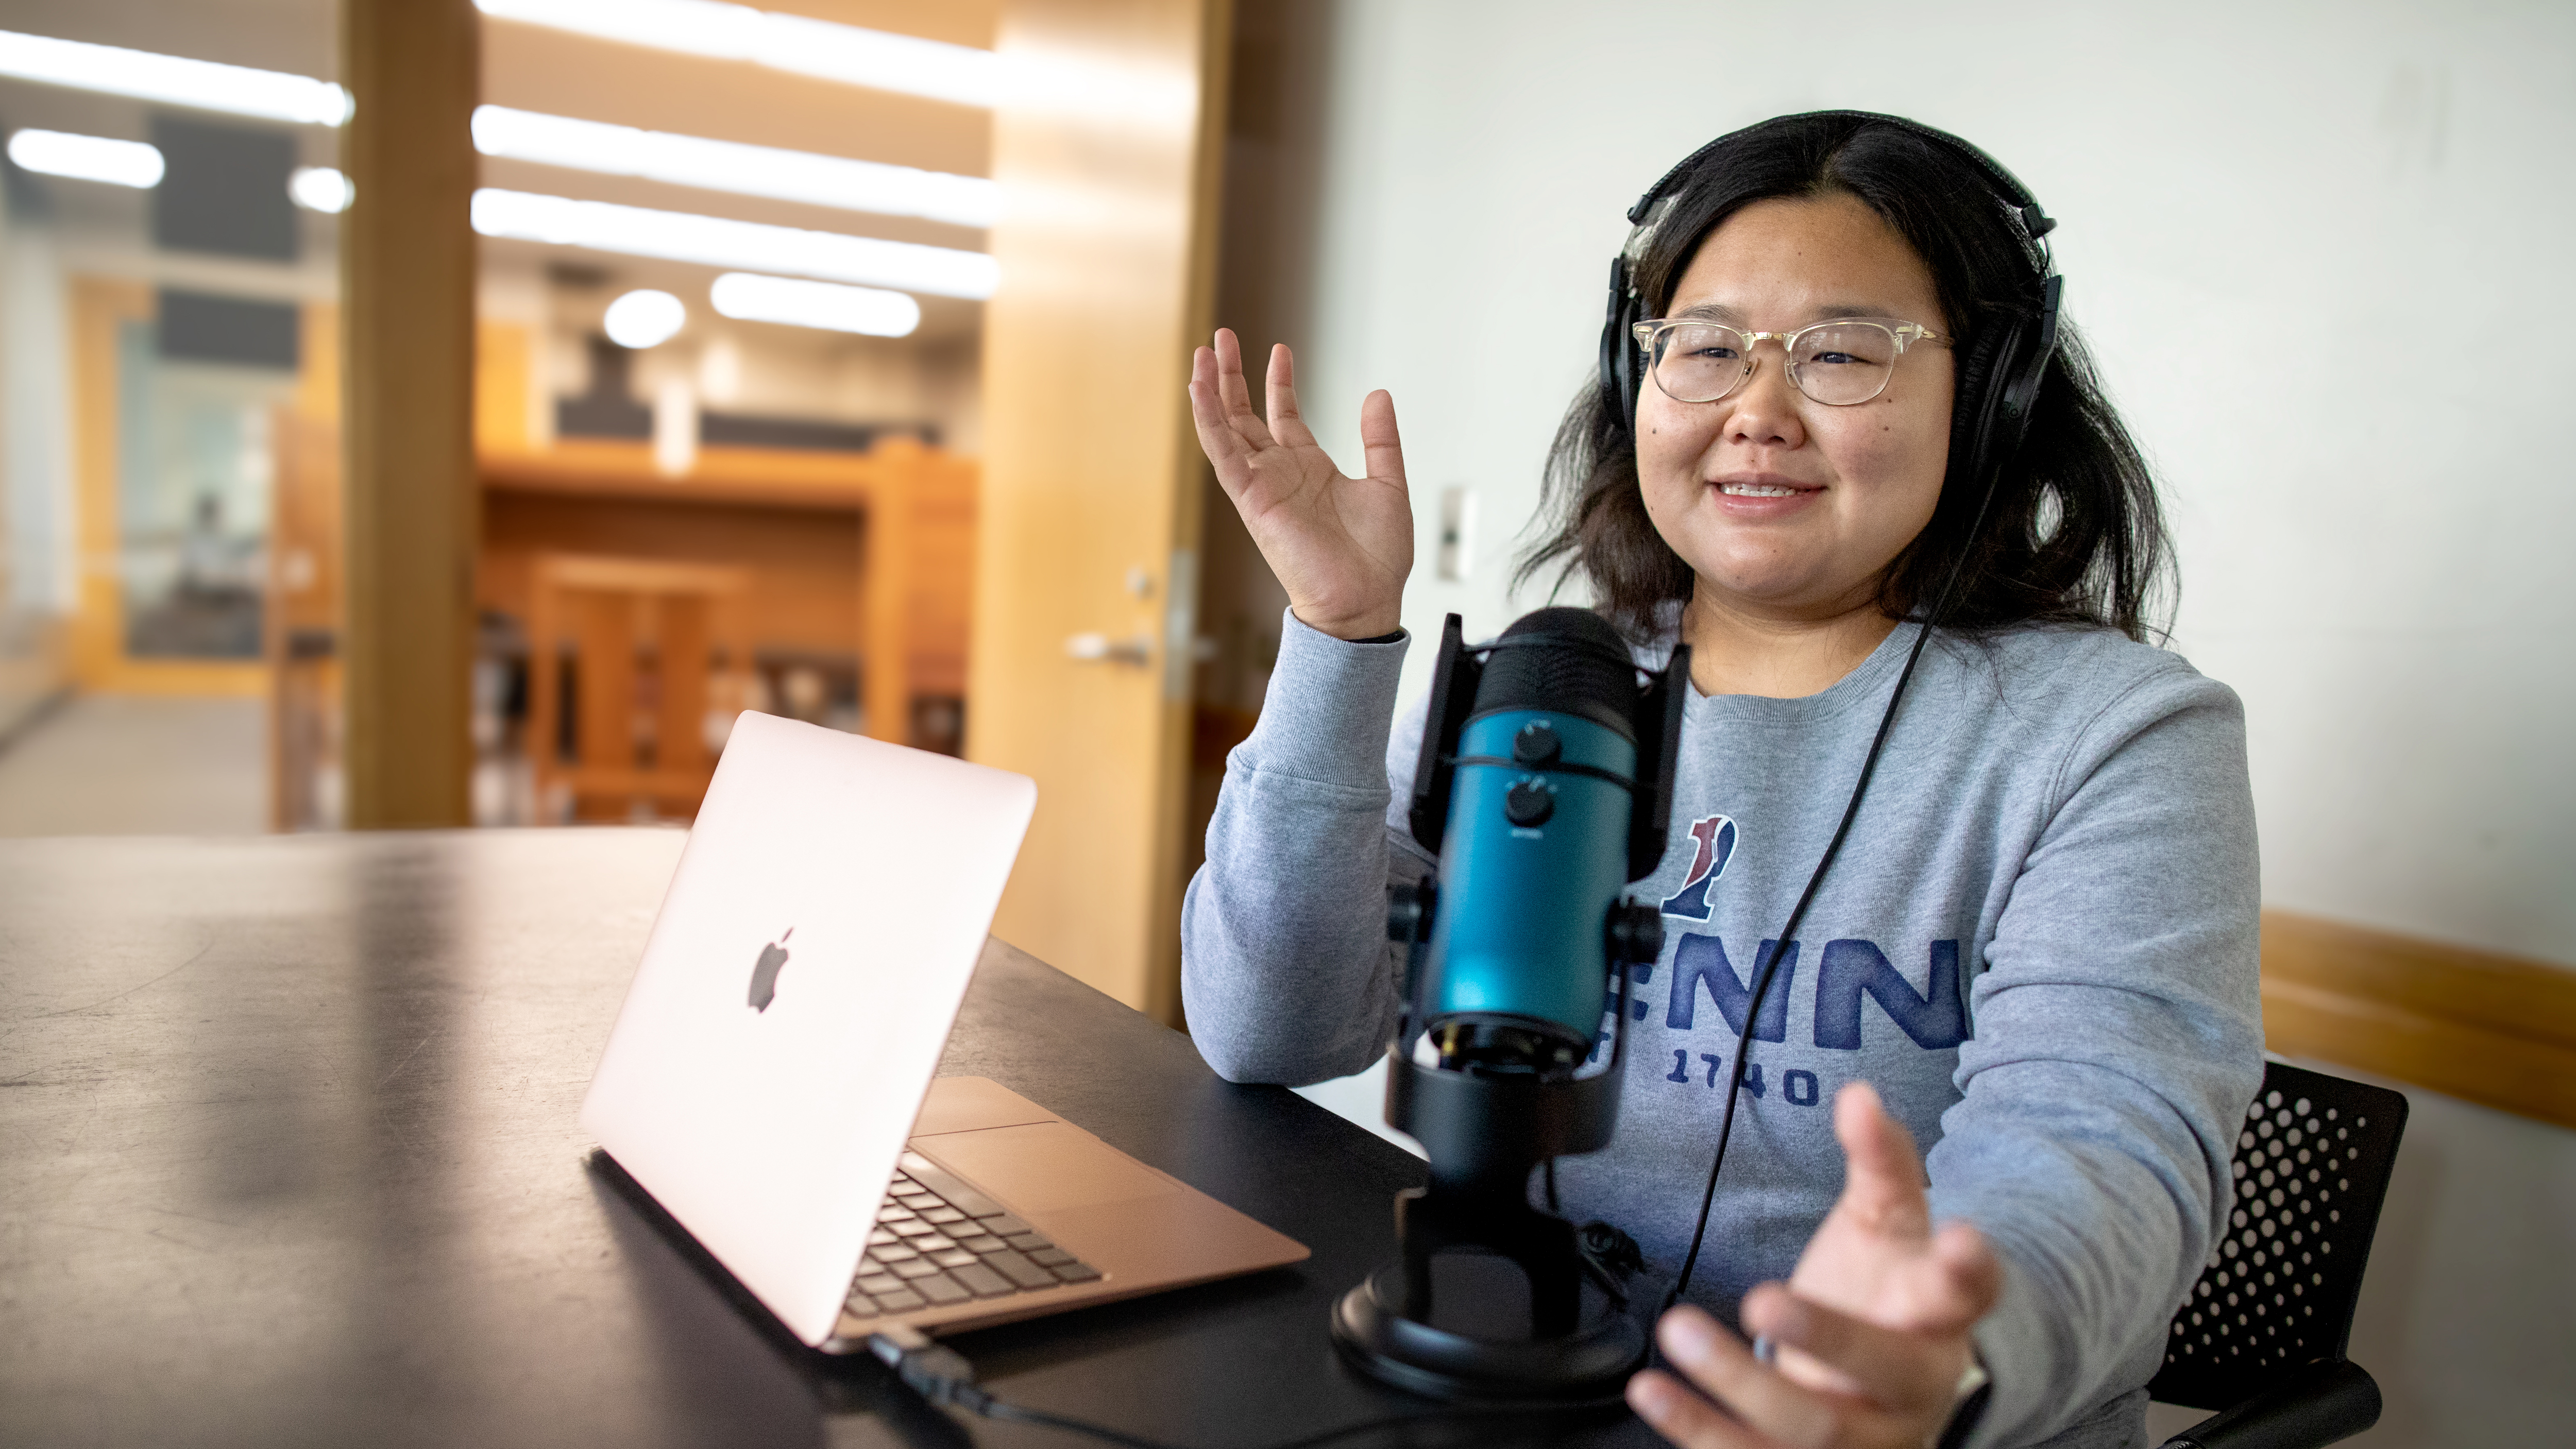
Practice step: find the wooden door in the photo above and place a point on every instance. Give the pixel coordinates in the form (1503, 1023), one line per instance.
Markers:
(1108, 156)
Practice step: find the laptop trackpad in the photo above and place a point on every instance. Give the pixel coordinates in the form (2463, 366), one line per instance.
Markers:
(1045, 1166)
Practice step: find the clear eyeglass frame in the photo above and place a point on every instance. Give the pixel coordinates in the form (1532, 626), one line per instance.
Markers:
(1652, 337)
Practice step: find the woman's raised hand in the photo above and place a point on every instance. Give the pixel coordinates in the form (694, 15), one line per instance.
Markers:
(1340, 546)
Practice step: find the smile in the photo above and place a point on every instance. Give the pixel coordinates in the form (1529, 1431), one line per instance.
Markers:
(1760, 490)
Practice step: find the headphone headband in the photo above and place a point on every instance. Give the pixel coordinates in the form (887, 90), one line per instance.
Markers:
(2035, 222)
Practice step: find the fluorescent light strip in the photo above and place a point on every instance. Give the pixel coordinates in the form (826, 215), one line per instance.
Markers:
(87, 158)
(731, 166)
(823, 305)
(821, 48)
(202, 84)
(718, 242)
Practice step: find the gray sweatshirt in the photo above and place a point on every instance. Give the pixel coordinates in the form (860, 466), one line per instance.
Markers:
(2039, 944)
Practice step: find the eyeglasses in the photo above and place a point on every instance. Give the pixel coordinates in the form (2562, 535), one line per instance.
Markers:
(1834, 363)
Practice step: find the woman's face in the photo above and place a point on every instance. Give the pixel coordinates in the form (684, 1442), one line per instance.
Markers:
(1785, 507)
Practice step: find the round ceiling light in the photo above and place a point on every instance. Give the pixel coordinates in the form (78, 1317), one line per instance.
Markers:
(644, 318)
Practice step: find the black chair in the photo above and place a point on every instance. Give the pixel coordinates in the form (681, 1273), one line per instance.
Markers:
(2262, 1336)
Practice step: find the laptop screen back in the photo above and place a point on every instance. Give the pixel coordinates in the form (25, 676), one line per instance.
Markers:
(798, 987)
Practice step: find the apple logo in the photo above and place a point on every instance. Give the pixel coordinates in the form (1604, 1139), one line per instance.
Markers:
(764, 972)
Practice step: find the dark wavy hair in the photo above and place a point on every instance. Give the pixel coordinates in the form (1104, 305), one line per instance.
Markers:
(2073, 533)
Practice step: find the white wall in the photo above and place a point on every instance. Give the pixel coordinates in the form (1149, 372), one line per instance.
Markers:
(37, 583)
(2371, 544)
(2322, 253)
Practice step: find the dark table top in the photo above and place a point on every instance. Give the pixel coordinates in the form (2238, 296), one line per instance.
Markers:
(289, 1155)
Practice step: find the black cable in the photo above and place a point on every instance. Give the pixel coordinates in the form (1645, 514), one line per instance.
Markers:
(996, 1409)
(1770, 966)
(1767, 969)
(943, 1376)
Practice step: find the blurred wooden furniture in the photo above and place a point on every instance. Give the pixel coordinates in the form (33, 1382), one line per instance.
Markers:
(862, 557)
(651, 651)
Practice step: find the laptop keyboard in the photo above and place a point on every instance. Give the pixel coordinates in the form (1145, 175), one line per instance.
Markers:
(939, 1242)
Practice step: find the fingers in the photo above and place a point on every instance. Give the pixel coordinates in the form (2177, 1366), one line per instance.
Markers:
(1382, 451)
(1235, 394)
(1279, 395)
(1684, 1417)
(1724, 1365)
(1883, 1177)
(1225, 447)
(1229, 372)
(1893, 1368)
(1969, 1275)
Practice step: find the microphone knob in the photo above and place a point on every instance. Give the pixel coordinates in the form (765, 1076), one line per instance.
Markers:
(1529, 803)
(1635, 934)
(1408, 911)
(1536, 744)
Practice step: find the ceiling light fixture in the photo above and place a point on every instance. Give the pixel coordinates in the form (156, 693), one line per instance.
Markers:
(87, 158)
(731, 166)
(320, 188)
(824, 305)
(644, 318)
(202, 84)
(719, 242)
(821, 48)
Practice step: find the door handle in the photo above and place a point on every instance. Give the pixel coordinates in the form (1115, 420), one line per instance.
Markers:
(1101, 649)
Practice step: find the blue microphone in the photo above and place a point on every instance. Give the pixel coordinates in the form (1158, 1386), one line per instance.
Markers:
(1545, 787)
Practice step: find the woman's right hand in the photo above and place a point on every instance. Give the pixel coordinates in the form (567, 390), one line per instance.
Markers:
(1340, 546)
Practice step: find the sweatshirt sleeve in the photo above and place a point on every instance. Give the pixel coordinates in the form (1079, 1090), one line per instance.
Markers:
(1286, 972)
(2117, 1038)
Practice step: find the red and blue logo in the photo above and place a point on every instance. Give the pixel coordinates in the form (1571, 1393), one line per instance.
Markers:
(1715, 835)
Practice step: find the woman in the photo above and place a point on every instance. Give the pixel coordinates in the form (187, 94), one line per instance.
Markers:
(2036, 950)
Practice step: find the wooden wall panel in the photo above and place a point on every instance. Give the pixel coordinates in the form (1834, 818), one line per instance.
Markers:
(2473, 1024)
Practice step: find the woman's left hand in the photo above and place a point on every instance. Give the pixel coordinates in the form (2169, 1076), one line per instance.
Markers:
(1870, 1332)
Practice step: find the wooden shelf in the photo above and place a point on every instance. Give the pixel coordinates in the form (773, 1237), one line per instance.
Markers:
(599, 468)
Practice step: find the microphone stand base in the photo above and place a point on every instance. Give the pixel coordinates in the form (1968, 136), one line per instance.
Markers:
(1593, 1362)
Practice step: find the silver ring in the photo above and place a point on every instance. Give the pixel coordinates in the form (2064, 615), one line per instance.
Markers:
(1763, 1348)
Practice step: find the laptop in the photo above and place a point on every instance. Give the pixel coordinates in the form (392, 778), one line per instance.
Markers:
(770, 1077)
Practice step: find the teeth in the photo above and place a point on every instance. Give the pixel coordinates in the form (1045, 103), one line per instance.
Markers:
(1755, 490)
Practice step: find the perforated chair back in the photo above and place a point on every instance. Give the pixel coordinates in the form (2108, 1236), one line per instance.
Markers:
(2312, 1164)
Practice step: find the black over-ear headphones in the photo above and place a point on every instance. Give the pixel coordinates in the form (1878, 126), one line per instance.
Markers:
(1999, 378)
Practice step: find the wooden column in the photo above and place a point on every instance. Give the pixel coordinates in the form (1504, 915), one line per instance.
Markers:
(885, 574)
(407, 284)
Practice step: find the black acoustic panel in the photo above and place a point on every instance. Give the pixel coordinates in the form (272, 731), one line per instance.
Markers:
(593, 415)
(223, 190)
(746, 431)
(200, 327)
(609, 409)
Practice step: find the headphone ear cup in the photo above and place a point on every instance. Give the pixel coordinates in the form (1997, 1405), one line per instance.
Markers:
(1999, 385)
(1619, 351)
(1978, 406)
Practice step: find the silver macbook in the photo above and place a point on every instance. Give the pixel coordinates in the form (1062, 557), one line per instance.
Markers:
(770, 1078)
